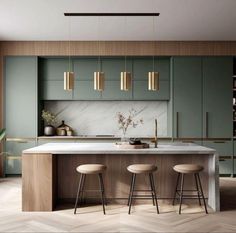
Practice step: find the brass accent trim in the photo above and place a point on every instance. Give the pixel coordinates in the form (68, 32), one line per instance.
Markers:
(207, 116)
(11, 157)
(20, 140)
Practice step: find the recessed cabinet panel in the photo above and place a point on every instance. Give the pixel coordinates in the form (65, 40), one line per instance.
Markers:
(54, 90)
(112, 92)
(187, 97)
(112, 67)
(84, 68)
(143, 65)
(84, 90)
(223, 148)
(141, 92)
(217, 97)
(13, 156)
(53, 68)
(21, 96)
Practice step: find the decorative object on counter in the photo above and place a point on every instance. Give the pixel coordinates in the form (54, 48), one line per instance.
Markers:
(135, 141)
(64, 130)
(50, 119)
(127, 145)
(125, 122)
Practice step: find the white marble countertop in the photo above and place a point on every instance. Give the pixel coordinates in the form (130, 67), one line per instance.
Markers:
(111, 148)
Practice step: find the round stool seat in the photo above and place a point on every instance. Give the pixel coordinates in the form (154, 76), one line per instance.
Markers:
(142, 168)
(188, 168)
(91, 168)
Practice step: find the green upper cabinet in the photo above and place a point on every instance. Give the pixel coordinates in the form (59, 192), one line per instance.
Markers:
(141, 67)
(84, 90)
(113, 66)
(187, 97)
(53, 68)
(21, 96)
(217, 96)
(84, 68)
(51, 78)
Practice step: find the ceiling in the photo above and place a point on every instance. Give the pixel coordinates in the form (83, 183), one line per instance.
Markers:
(178, 20)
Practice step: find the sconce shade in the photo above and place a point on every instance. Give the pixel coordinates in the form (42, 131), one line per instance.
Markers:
(125, 81)
(99, 81)
(153, 81)
(68, 81)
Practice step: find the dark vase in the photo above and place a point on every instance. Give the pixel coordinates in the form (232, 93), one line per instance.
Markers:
(49, 130)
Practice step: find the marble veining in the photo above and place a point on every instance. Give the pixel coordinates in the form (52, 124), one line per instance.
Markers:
(99, 117)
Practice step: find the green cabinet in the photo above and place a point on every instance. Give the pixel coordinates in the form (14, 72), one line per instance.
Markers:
(217, 96)
(51, 71)
(54, 90)
(187, 97)
(84, 90)
(13, 155)
(21, 99)
(225, 152)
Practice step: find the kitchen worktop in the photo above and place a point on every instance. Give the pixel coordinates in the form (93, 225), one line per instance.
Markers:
(111, 148)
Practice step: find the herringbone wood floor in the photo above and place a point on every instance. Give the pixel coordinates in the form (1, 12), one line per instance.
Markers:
(91, 219)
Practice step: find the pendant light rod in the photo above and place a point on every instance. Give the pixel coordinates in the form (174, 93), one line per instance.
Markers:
(111, 14)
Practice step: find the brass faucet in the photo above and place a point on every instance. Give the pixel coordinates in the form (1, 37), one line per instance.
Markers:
(155, 137)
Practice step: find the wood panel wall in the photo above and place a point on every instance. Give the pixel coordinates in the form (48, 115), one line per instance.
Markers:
(110, 48)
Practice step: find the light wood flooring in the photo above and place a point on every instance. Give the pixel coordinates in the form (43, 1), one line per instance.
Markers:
(91, 219)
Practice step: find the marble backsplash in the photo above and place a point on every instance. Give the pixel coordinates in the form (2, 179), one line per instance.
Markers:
(99, 117)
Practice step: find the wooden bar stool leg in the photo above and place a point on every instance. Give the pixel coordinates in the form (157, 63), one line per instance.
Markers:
(176, 188)
(102, 192)
(154, 190)
(204, 201)
(132, 191)
(197, 187)
(82, 198)
(181, 192)
(78, 192)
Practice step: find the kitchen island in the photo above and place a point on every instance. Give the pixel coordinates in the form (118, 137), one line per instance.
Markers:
(49, 172)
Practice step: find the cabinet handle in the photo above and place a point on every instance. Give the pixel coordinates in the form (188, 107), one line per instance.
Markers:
(207, 115)
(177, 124)
(19, 140)
(219, 141)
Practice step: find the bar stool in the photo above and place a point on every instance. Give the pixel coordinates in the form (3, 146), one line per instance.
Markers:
(142, 169)
(194, 169)
(90, 169)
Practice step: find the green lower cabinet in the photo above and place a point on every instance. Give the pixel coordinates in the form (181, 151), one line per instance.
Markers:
(225, 151)
(112, 92)
(84, 90)
(141, 92)
(13, 155)
(54, 90)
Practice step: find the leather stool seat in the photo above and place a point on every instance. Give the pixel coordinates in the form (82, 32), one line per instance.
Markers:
(91, 168)
(142, 168)
(188, 168)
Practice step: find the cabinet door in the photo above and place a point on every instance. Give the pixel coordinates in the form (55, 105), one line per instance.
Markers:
(141, 92)
(13, 155)
(112, 91)
(217, 96)
(84, 68)
(225, 152)
(187, 97)
(143, 65)
(54, 90)
(21, 96)
(53, 68)
(84, 90)
(113, 66)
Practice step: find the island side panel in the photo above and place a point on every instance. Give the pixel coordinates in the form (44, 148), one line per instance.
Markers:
(117, 178)
(38, 182)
